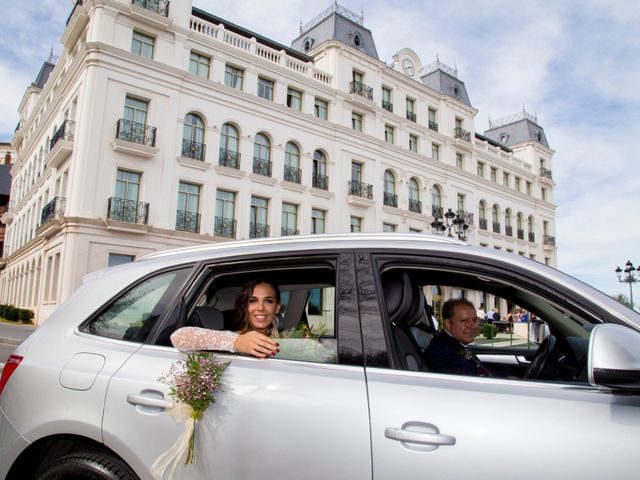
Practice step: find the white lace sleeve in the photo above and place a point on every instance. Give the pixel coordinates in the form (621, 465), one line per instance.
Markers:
(189, 339)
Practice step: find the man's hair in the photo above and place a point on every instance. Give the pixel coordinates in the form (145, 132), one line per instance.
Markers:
(449, 306)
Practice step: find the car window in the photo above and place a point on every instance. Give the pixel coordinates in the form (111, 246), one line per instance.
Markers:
(132, 315)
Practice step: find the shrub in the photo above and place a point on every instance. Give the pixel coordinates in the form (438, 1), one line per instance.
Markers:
(14, 314)
(489, 330)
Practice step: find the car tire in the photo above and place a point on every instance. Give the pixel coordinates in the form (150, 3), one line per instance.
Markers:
(87, 466)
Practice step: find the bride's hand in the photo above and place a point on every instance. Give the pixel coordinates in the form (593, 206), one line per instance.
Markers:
(256, 344)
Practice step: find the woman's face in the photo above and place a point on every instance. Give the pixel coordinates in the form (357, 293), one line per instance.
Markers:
(262, 307)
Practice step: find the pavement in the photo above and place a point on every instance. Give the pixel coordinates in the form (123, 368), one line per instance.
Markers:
(12, 335)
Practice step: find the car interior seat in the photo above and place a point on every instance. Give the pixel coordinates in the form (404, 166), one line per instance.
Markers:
(207, 317)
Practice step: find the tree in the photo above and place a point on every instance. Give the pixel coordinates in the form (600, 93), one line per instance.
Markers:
(623, 299)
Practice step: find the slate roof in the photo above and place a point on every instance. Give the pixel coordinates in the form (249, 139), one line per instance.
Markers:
(43, 76)
(447, 84)
(520, 131)
(5, 179)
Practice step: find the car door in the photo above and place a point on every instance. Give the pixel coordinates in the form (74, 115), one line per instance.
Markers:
(274, 419)
(429, 425)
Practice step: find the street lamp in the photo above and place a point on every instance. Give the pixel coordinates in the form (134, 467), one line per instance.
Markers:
(628, 277)
(451, 221)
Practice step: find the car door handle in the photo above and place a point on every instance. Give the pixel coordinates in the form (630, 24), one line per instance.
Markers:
(144, 401)
(421, 438)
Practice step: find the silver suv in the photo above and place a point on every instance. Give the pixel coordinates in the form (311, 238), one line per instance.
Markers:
(81, 397)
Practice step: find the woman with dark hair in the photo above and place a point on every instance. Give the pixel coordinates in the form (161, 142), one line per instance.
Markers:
(256, 310)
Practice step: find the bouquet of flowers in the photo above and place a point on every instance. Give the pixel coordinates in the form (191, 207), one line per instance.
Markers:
(192, 384)
(306, 343)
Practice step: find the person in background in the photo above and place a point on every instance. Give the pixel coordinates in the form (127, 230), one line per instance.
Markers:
(482, 315)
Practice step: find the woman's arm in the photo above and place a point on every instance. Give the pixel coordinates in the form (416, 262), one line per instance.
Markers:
(188, 339)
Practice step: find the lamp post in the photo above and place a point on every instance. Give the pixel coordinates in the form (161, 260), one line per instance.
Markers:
(451, 221)
(628, 277)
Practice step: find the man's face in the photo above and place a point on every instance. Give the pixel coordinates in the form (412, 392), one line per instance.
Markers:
(464, 325)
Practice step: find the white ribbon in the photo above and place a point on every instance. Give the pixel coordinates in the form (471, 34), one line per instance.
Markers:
(181, 412)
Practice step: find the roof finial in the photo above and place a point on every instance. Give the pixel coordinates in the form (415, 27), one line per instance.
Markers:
(301, 26)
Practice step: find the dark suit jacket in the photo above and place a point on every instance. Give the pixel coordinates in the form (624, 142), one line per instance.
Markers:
(445, 354)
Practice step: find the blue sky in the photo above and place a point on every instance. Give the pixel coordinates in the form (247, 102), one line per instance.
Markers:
(574, 63)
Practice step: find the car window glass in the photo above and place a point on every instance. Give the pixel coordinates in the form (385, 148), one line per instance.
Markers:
(132, 316)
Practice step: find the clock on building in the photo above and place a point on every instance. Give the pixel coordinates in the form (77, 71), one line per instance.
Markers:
(407, 66)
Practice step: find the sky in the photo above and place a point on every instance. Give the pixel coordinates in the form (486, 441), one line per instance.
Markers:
(573, 63)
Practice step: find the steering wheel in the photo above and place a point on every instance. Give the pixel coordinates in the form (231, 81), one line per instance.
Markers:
(545, 352)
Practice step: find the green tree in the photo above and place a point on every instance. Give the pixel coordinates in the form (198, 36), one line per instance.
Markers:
(623, 299)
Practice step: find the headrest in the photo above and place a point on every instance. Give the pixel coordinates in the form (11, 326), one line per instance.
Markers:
(208, 317)
(397, 293)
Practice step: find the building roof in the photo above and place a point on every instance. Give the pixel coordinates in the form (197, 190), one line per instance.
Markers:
(515, 129)
(493, 143)
(444, 79)
(43, 76)
(5, 179)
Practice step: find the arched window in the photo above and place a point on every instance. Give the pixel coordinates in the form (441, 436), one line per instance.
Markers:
(292, 163)
(531, 226)
(507, 223)
(436, 202)
(193, 137)
(229, 143)
(415, 205)
(320, 179)
(495, 217)
(390, 197)
(262, 155)
(520, 226)
(482, 214)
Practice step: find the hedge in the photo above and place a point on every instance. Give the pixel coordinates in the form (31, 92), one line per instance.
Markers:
(15, 314)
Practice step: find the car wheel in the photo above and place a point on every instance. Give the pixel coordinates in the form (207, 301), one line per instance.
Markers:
(87, 466)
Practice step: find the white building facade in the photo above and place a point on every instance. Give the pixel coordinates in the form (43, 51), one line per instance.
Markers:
(163, 126)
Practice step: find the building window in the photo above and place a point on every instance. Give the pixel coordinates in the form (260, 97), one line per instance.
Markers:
(413, 143)
(193, 137)
(505, 179)
(386, 99)
(318, 218)
(494, 174)
(517, 183)
(187, 217)
(119, 259)
(127, 185)
(460, 204)
(388, 227)
(411, 112)
(321, 109)
(225, 223)
(229, 142)
(495, 218)
(265, 88)
(319, 174)
(388, 133)
(356, 121)
(433, 122)
(356, 224)
(233, 77)
(435, 151)
(356, 172)
(482, 215)
(459, 160)
(292, 163)
(289, 219)
(258, 226)
(414, 196)
(508, 228)
(480, 169)
(142, 45)
(436, 202)
(199, 65)
(125, 207)
(262, 155)
(135, 110)
(294, 99)
(357, 77)
(543, 193)
(528, 188)
(531, 228)
(390, 197)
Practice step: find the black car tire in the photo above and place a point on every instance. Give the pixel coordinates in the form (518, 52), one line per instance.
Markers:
(87, 466)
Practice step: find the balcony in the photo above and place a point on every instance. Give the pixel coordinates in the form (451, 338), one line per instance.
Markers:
(128, 211)
(224, 227)
(549, 240)
(462, 134)
(415, 206)
(53, 209)
(188, 221)
(532, 237)
(75, 25)
(433, 126)
(412, 116)
(388, 106)
(287, 232)
(320, 181)
(391, 199)
(362, 190)
(161, 7)
(258, 230)
(135, 139)
(466, 216)
(292, 174)
(193, 150)
(545, 173)
(520, 233)
(359, 88)
(262, 167)
(483, 224)
(61, 144)
(229, 158)
(508, 230)
(437, 211)
(496, 227)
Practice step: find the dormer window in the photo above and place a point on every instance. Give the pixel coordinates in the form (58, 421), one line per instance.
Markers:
(357, 40)
(504, 138)
(308, 43)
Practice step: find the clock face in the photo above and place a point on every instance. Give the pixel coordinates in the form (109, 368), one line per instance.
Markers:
(407, 66)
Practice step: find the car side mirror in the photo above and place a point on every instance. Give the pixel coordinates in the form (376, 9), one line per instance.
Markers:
(614, 357)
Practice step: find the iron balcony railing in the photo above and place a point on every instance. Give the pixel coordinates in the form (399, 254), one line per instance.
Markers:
(390, 199)
(496, 227)
(462, 134)
(361, 89)
(508, 230)
(388, 106)
(532, 237)
(193, 150)
(225, 227)
(320, 181)
(411, 116)
(520, 234)
(483, 223)
(466, 216)
(128, 211)
(65, 132)
(136, 132)
(53, 209)
(261, 166)
(545, 172)
(433, 126)
(437, 211)
(359, 189)
(229, 158)
(188, 221)
(292, 174)
(160, 7)
(549, 240)
(258, 230)
(287, 232)
(415, 206)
